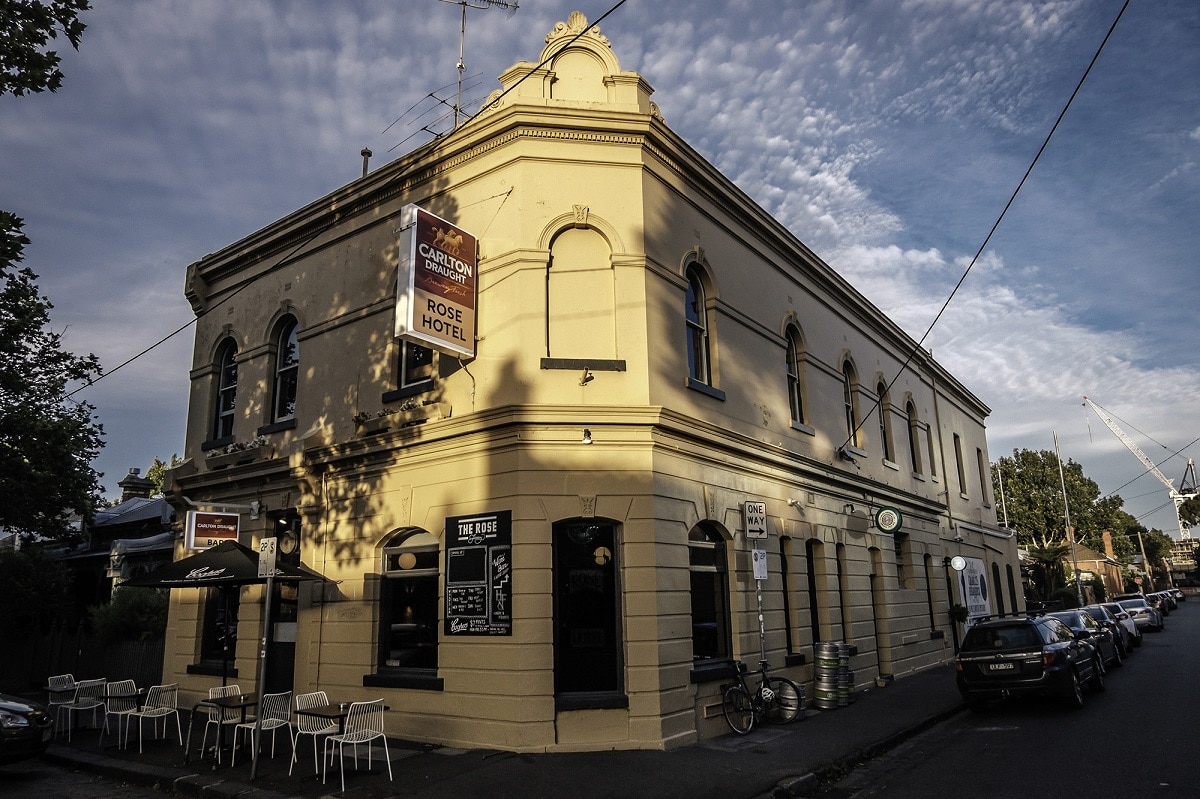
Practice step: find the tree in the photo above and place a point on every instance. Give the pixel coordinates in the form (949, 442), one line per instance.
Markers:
(47, 442)
(27, 27)
(33, 593)
(1033, 498)
(158, 471)
(1047, 573)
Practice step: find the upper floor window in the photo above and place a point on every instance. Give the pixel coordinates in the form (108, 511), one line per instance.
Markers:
(850, 402)
(885, 422)
(795, 374)
(227, 377)
(914, 443)
(699, 365)
(416, 367)
(287, 371)
(982, 464)
(958, 462)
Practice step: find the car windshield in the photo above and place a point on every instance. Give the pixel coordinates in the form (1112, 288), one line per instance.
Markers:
(1069, 619)
(1133, 603)
(991, 638)
(1099, 614)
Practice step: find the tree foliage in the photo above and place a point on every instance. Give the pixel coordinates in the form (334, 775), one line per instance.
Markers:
(28, 26)
(157, 472)
(1033, 500)
(34, 591)
(133, 614)
(47, 441)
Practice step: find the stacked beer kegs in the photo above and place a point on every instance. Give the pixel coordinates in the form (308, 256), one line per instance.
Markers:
(835, 680)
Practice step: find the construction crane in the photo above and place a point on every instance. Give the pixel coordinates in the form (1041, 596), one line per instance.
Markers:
(1187, 484)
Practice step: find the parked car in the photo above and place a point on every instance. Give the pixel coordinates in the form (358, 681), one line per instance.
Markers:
(1085, 626)
(1126, 621)
(1159, 603)
(25, 729)
(1169, 597)
(1123, 635)
(1144, 615)
(1179, 595)
(1025, 656)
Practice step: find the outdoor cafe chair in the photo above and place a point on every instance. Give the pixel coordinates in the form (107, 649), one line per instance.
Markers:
(311, 725)
(161, 702)
(89, 697)
(120, 700)
(364, 723)
(220, 717)
(274, 711)
(60, 690)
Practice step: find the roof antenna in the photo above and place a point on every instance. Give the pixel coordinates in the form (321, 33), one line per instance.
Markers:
(508, 5)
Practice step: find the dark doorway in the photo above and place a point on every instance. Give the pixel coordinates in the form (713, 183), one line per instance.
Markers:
(588, 663)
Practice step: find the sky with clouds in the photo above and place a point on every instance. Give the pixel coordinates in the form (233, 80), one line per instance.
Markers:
(887, 135)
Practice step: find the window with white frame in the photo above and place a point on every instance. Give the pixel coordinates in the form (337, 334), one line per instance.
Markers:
(795, 374)
(710, 594)
(287, 371)
(696, 311)
(226, 398)
(408, 603)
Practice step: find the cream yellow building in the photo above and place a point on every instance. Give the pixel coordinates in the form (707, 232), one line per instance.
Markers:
(544, 545)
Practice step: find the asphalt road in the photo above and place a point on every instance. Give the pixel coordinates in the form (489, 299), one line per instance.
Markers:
(1136, 739)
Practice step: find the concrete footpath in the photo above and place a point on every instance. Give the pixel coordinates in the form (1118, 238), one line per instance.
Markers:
(772, 761)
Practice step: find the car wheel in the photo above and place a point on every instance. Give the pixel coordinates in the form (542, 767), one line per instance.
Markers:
(1118, 655)
(1098, 674)
(1074, 696)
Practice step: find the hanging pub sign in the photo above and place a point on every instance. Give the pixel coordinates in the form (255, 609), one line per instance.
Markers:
(206, 529)
(479, 574)
(435, 286)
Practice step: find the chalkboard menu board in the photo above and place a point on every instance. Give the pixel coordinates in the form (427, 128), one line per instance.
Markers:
(479, 574)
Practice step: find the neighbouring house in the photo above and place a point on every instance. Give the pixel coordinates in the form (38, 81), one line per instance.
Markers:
(558, 406)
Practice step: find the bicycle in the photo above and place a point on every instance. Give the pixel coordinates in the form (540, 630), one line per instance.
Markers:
(777, 699)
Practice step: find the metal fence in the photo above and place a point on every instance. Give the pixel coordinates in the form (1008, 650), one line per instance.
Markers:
(25, 665)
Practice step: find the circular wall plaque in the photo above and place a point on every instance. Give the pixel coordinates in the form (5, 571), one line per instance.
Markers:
(958, 563)
(888, 519)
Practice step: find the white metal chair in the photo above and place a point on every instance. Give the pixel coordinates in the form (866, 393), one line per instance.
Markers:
(310, 725)
(364, 724)
(120, 700)
(162, 701)
(220, 717)
(274, 711)
(89, 697)
(60, 690)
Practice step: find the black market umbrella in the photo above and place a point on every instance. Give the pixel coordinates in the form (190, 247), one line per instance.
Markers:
(228, 564)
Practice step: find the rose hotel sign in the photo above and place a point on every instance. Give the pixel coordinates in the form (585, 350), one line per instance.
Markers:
(435, 287)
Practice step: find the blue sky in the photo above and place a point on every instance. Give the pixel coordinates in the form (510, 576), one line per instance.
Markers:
(888, 136)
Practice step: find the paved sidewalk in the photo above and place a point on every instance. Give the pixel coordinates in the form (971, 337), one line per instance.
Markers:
(772, 761)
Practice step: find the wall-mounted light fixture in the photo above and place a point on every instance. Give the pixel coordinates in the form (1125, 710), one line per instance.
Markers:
(587, 377)
(587, 436)
(847, 508)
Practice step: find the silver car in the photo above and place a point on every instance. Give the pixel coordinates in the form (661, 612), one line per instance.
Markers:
(1144, 615)
(1130, 631)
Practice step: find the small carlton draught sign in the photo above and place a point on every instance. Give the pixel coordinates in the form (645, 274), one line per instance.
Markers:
(205, 529)
(435, 288)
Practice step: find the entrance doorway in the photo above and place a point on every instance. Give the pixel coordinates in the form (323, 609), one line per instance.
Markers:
(588, 662)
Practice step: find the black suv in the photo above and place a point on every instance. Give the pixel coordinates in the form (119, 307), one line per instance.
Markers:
(1025, 656)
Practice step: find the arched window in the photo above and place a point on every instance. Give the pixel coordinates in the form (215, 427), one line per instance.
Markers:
(885, 421)
(850, 402)
(795, 374)
(914, 444)
(408, 603)
(287, 371)
(226, 399)
(814, 553)
(696, 310)
(710, 594)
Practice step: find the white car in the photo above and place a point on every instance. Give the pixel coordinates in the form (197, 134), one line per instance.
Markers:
(1128, 625)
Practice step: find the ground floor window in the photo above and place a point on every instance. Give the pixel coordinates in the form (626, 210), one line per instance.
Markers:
(588, 651)
(218, 638)
(408, 603)
(710, 594)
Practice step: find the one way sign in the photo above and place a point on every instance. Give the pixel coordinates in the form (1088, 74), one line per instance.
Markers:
(754, 516)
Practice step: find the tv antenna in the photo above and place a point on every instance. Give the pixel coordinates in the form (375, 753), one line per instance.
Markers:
(510, 6)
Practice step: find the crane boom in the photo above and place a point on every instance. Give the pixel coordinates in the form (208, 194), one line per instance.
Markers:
(1176, 497)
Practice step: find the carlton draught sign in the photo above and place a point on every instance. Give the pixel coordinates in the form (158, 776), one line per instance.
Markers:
(435, 288)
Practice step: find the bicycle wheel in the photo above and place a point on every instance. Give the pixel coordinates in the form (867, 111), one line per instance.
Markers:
(738, 709)
(784, 705)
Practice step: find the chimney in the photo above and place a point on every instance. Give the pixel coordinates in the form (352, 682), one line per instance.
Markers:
(134, 485)
(1108, 549)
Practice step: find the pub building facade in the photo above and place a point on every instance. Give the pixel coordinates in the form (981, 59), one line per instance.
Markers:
(531, 397)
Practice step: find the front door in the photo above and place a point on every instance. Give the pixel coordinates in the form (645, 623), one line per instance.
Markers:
(588, 663)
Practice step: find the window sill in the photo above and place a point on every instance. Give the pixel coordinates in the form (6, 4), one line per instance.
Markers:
(216, 443)
(918, 477)
(277, 427)
(857, 452)
(711, 670)
(895, 467)
(591, 700)
(404, 393)
(706, 389)
(423, 681)
(801, 427)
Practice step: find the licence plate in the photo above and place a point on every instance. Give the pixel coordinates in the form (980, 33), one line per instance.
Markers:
(1001, 666)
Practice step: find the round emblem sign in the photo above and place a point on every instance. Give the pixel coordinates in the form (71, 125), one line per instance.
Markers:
(958, 563)
(888, 519)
